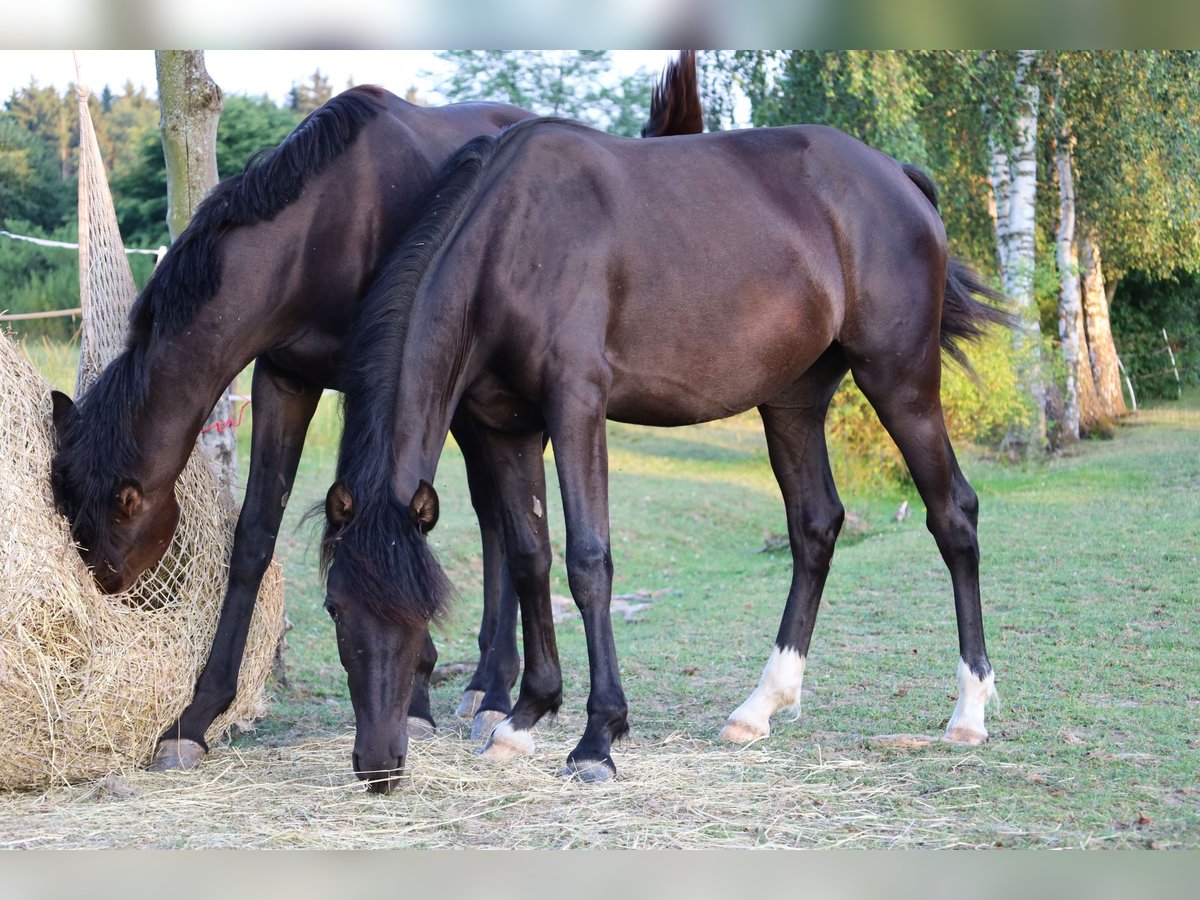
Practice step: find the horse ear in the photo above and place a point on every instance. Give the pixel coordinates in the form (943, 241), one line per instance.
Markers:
(65, 413)
(424, 507)
(339, 505)
(129, 498)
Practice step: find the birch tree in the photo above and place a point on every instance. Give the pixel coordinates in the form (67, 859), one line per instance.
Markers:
(1013, 176)
(1081, 412)
(190, 105)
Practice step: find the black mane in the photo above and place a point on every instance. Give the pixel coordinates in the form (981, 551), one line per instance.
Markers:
(387, 562)
(190, 273)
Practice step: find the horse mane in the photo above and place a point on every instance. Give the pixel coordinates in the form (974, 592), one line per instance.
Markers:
(89, 457)
(675, 100)
(190, 273)
(388, 562)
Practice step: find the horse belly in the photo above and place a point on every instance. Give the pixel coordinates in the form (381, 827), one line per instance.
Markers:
(683, 375)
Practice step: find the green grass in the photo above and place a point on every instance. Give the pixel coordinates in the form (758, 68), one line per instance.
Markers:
(1090, 581)
(1090, 586)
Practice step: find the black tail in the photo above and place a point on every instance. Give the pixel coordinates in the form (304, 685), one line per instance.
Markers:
(675, 103)
(963, 317)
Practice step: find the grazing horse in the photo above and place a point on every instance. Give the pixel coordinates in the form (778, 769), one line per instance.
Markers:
(563, 276)
(271, 269)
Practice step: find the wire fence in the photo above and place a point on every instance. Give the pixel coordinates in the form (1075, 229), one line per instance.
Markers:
(1160, 364)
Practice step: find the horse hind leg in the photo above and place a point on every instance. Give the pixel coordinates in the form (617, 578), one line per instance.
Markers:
(904, 389)
(794, 425)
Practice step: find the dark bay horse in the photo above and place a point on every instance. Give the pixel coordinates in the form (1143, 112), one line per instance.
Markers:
(272, 269)
(564, 276)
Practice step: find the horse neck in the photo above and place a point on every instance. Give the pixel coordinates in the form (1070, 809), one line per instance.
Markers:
(186, 373)
(432, 375)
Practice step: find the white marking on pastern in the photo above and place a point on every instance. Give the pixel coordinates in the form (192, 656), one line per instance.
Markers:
(966, 725)
(778, 689)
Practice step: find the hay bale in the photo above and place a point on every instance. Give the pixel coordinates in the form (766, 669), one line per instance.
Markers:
(89, 681)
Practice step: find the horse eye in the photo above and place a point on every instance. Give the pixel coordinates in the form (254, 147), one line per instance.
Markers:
(333, 613)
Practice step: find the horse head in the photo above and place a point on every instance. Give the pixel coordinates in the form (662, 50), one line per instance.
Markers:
(120, 528)
(383, 588)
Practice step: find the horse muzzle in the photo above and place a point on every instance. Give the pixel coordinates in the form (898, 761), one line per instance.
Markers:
(381, 776)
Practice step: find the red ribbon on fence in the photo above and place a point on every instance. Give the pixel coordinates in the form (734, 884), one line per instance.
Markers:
(222, 424)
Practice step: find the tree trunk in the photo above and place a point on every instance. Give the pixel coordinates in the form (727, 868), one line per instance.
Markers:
(1069, 304)
(1099, 332)
(1091, 413)
(1016, 233)
(190, 104)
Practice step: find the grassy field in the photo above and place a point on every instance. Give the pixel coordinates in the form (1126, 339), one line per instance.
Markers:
(1090, 586)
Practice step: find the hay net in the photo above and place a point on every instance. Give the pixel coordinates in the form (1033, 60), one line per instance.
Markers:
(106, 286)
(89, 681)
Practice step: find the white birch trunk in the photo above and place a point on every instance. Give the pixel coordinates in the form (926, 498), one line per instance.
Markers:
(1016, 233)
(190, 105)
(1069, 304)
(1105, 367)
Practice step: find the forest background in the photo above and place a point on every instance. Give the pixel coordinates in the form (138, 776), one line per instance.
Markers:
(1067, 178)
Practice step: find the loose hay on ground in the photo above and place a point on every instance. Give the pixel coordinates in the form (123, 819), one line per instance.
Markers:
(87, 681)
(673, 793)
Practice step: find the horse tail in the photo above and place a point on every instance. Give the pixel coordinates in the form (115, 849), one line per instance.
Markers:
(964, 318)
(675, 102)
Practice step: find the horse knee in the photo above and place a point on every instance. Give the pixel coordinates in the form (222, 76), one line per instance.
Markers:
(530, 568)
(589, 568)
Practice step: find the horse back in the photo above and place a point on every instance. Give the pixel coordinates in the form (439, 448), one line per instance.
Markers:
(660, 256)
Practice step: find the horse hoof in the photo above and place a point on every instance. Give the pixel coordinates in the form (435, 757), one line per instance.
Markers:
(484, 722)
(469, 704)
(506, 743)
(175, 754)
(963, 735)
(589, 771)
(420, 729)
(736, 732)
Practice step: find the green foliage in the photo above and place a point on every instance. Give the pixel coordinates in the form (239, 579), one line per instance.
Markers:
(575, 84)
(248, 125)
(37, 279)
(874, 95)
(980, 407)
(140, 195)
(1142, 308)
(1136, 116)
(30, 187)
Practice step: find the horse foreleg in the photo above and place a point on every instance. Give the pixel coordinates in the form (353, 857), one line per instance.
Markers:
(795, 429)
(283, 408)
(518, 475)
(581, 455)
